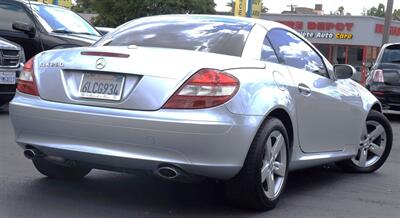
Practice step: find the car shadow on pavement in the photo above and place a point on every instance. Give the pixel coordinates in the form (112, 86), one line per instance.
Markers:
(4, 109)
(122, 194)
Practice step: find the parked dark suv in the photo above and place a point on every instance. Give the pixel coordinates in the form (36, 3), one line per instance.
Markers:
(11, 59)
(38, 27)
(384, 79)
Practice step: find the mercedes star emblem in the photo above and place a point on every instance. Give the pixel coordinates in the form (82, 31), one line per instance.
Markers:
(100, 63)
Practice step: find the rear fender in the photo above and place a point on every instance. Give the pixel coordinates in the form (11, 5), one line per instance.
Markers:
(262, 91)
(370, 102)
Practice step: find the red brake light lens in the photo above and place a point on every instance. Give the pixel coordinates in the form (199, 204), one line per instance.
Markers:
(26, 81)
(105, 54)
(378, 76)
(207, 88)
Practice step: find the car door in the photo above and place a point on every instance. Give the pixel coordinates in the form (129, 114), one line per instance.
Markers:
(11, 12)
(327, 110)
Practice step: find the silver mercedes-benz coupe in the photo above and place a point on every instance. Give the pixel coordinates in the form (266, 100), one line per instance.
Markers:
(187, 97)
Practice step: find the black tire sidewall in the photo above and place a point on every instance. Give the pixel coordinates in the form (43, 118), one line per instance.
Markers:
(245, 189)
(381, 119)
(376, 116)
(271, 125)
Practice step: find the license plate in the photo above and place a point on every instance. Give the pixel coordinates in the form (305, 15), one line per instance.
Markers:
(101, 86)
(7, 77)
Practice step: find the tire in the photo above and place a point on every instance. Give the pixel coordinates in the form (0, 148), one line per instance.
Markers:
(247, 189)
(5, 99)
(2, 102)
(375, 151)
(57, 171)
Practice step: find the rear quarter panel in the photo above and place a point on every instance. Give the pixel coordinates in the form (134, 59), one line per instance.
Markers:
(264, 90)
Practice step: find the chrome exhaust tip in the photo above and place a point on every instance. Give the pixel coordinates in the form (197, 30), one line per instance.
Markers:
(167, 172)
(176, 174)
(31, 153)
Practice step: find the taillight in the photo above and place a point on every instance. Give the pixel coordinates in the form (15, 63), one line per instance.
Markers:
(105, 54)
(378, 76)
(206, 88)
(26, 82)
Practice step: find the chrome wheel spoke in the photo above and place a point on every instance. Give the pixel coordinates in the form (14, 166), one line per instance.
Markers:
(268, 148)
(363, 157)
(365, 132)
(376, 149)
(271, 185)
(265, 172)
(274, 164)
(279, 169)
(277, 146)
(377, 132)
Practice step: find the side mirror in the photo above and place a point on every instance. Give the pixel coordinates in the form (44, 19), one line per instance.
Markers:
(344, 71)
(24, 27)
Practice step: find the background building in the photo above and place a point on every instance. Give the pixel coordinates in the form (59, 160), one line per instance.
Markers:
(304, 10)
(351, 40)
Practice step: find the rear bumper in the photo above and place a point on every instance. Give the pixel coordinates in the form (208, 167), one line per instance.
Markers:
(211, 142)
(389, 96)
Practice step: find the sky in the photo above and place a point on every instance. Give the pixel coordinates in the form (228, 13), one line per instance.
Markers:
(355, 7)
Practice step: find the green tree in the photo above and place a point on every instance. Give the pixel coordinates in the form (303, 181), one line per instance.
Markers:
(380, 12)
(377, 12)
(341, 10)
(396, 14)
(115, 12)
(83, 6)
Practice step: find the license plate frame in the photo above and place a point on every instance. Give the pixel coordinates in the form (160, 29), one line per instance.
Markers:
(94, 78)
(8, 77)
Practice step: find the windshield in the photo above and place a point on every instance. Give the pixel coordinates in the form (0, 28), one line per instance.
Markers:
(391, 54)
(215, 35)
(57, 19)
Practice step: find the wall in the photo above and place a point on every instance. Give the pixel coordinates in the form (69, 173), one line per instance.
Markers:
(342, 30)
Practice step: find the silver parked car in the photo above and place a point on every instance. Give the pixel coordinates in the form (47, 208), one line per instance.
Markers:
(189, 97)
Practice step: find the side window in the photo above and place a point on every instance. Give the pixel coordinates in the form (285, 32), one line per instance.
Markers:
(268, 53)
(295, 52)
(11, 13)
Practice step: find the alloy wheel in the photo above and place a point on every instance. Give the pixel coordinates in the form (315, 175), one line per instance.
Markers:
(274, 166)
(372, 145)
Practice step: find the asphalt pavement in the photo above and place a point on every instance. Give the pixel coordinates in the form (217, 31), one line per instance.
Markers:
(316, 192)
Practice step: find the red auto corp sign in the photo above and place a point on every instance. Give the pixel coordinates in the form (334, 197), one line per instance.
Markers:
(326, 30)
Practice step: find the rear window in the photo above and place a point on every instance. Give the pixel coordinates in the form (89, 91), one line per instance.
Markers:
(215, 35)
(391, 54)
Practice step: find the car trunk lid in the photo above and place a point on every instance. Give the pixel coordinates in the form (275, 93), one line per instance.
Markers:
(148, 76)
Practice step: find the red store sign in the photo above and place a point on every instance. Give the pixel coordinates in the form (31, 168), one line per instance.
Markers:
(320, 26)
(395, 31)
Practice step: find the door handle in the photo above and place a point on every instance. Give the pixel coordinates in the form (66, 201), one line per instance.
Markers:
(304, 89)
